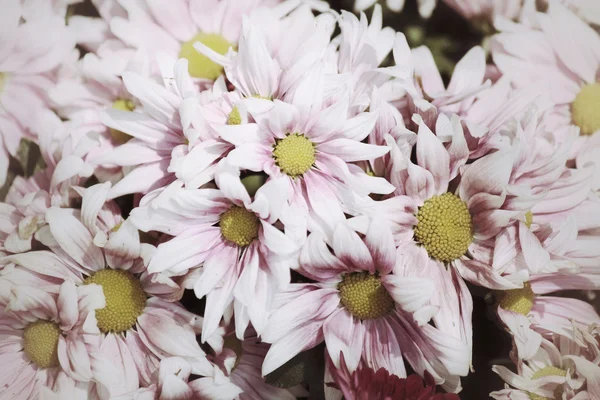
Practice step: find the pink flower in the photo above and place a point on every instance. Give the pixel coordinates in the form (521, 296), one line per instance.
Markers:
(530, 316)
(28, 63)
(64, 149)
(138, 328)
(571, 75)
(562, 368)
(369, 304)
(226, 242)
(173, 29)
(49, 340)
(308, 146)
(170, 141)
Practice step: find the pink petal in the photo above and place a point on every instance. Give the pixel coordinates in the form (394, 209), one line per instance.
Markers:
(351, 250)
(344, 334)
(74, 238)
(382, 347)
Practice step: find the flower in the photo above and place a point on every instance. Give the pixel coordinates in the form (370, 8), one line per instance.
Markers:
(561, 367)
(367, 303)
(170, 142)
(530, 316)
(572, 76)
(138, 329)
(365, 383)
(49, 342)
(64, 148)
(310, 151)
(226, 242)
(27, 71)
(174, 29)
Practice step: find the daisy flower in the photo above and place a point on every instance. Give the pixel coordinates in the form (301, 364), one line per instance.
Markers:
(309, 147)
(368, 304)
(49, 340)
(138, 329)
(560, 369)
(530, 315)
(64, 151)
(573, 76)
(28, 63)
(171, 141)
(174, 28)
(272, 57)
(227, 242)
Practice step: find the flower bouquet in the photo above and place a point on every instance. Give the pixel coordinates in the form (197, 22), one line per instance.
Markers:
(284, 199)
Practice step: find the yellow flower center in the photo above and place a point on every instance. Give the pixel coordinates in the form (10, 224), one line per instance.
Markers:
(364, 296)
(584, 109)
(528, 219)
(234, 117)
(40, 343)
(518, 300)
(123, 105)
(444, 227)
(2, 81)
(294, 154)
(239, 226)
(125, 299)
(549, 371)
(200, 66)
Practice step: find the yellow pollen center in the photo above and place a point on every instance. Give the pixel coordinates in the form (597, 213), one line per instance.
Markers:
(239, 226)
(294, 154)
(518, 300)
(123, 105)
(125, 299)
(364, 296)
(2, 80)
(444, 227)
(584, 109)
(549, 371)
(528, 219)
(40, 343)
(200, 66)
(234, 117)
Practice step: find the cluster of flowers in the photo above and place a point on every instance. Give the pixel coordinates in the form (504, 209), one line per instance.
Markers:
(303, 190)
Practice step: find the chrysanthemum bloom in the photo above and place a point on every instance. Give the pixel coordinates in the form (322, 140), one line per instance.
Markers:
(49, 340)
(28, 62)
(271, 58)
(496, 191)
(174, 28)
(138, 328)
(369, 304)
(529, 315)
(226, 241)
(170, 139)
(573, 76)
(64, 151)
(562, 368)
(366, 383)
(308, 147)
